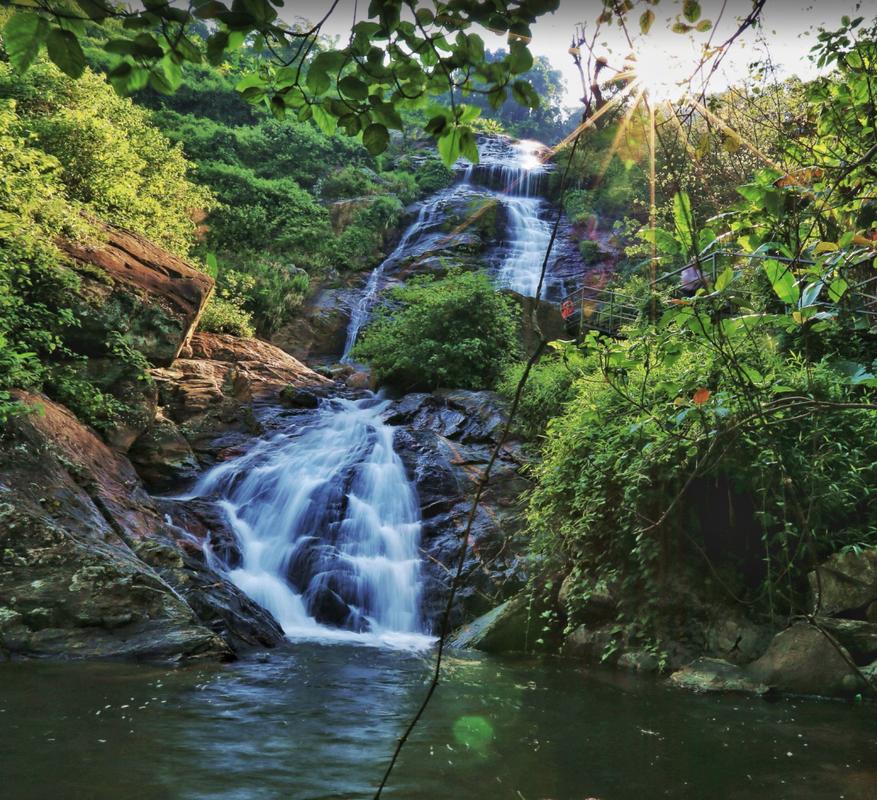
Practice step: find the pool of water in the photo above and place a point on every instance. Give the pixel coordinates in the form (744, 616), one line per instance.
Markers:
(319, 721)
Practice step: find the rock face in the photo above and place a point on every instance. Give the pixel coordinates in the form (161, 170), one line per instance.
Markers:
(205, 403)
(802, 660)
(89, 566)
(445, 440)
(129, 285)
(845, 583)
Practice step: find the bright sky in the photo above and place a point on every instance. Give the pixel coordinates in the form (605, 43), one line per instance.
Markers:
(788, 27)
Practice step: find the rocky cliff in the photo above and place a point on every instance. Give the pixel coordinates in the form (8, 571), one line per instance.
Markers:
(91, 565)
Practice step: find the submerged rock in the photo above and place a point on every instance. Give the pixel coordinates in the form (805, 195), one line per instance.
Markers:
(716, 675)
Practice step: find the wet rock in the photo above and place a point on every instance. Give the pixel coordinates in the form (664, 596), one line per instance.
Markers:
(299, 397)
(715, 675)
(598, 644)
(359, 380)
(445, 440)
(801, 660)
(505, 629)
(857, 636)
(318, 330)
(639, 661)
(587, 601)
(130, 285)
(162, 456)
(846, 582)
(213, 394)
(90, 565)
(733, 637)
(548, 321)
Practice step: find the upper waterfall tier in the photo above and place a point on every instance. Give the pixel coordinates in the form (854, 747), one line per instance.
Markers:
(516, 168)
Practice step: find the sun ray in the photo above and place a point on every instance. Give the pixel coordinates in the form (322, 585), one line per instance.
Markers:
(731, 132)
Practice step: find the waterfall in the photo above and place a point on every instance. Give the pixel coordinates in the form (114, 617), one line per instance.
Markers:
(360, 309)
(529, 231)
(328, 527)
(515, 174)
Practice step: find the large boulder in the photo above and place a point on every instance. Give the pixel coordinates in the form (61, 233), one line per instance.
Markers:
(207, 400)
(505, 629)
(803, 660)
(132, 287)
(845, 583)
(91, 567)
(445, 439)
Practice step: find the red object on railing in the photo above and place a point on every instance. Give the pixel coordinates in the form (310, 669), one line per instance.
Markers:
(567, 309)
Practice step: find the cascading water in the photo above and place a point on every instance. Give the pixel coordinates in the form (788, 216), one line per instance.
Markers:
(516, 175)
(519, 173)
(325, 518)
(359, 311)
(328, 527)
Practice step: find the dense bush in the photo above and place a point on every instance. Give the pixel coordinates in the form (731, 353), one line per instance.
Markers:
(111, 157)
(36, 291)
(457, 332)
(549, 387)
(659, 421)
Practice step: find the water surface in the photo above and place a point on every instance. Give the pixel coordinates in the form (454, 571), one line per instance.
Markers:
(319, 720)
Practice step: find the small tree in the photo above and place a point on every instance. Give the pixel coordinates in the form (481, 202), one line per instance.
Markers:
(455, 332)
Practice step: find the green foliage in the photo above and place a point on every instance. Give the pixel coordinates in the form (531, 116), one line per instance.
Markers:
(225, 311)
(659, 418)
(548, 389)
(256, 212)
(387, 61)
(111, 157)
(454, 332)
(71, 151)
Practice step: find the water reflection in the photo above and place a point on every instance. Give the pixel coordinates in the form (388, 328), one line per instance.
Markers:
(317, 721)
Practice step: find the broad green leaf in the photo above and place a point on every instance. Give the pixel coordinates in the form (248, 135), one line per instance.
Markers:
(325, 121)
(23, 35)
(375, 138)
(64, 50)
(724, 280)
(352, 87)
(662, 239)
(684, 221)
(645, 21)
(520, 58)
(837, 289)
(783, 281)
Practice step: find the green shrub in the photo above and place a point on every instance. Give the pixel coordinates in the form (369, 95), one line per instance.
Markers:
(112, 158)
(591, 252)
(454, 332)
(549, 387)
(226, 312)
(614, 497)
(431, 176)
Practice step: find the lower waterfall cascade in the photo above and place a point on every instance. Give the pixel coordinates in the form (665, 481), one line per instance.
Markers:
(328, 527)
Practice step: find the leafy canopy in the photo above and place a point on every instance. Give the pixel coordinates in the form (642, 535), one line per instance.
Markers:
(401, 55)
